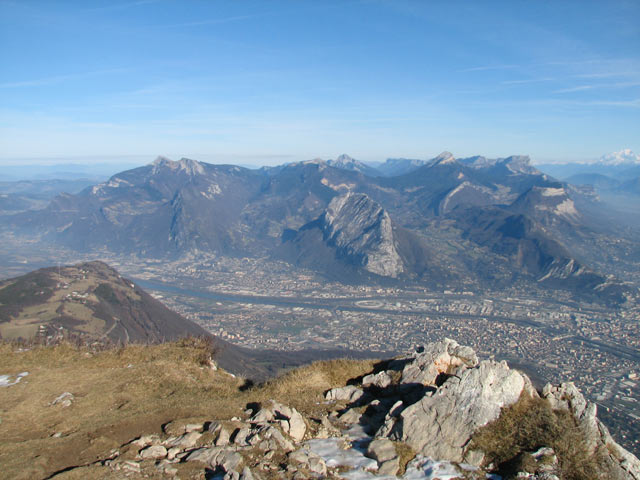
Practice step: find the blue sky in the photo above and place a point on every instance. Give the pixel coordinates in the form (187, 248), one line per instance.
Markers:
(273, 81)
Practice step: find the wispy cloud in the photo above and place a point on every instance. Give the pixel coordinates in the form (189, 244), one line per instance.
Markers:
(531, 80)
(489, 67)
(122, 6)
(613, 103)
(607, 74)
(213, 21)
(59, 78)
(579, 88)
(601, 86)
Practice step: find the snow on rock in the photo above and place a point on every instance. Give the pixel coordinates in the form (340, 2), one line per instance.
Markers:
(8, 380)
(334, 454)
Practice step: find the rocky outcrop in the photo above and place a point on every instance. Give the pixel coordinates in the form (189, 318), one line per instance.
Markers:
(442, 423)
(417, 413)
(361, 231)
(435, 359)
(566, 396)
(289, 419)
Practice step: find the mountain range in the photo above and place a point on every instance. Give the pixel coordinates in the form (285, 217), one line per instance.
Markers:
(487, 222)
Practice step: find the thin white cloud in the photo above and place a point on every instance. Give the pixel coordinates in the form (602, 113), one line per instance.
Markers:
(601, 86)
(212, 21)
(59, 78)
(607, 74)
(531, 80)
(122, 6)
(613, 103)
(579, 88)
(482, 68)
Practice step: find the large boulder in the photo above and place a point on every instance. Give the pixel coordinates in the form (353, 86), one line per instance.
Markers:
(441, 424)
(444, 357)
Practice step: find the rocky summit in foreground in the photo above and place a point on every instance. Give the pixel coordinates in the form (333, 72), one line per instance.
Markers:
(438, 413)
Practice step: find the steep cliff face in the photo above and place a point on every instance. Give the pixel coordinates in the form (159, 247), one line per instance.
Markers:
(361, 231)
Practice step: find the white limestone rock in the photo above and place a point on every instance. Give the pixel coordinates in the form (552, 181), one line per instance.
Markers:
(446, 356)
(186, 440)
(65, 399)
(440, 426)
(215, 457)
(153, 452)
(348, 393)
(290, 420)
(380, 380)
(361, 230)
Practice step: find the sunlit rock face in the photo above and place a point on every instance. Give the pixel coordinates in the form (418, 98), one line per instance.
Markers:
(361, 230)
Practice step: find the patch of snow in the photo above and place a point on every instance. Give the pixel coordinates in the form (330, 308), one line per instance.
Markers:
(363, 468)
(5, 380)
(331, 451)
(422, 468)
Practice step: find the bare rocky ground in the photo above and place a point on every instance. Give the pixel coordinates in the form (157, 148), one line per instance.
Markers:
(438, 412)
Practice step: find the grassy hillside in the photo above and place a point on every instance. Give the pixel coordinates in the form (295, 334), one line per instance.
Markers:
(91, 301)
(119, 393)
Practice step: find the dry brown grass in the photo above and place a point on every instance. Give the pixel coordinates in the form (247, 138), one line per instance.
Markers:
(406, 454)
(121, 393)
(531, 423)
(303, 387)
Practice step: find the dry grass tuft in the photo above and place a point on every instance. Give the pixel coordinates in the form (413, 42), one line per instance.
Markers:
(405, 454)
(303, 388)
(531, 423)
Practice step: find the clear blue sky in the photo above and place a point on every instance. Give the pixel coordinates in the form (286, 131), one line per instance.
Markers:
(272, 81)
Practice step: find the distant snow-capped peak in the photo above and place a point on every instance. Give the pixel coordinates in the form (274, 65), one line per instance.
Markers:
(622, 157)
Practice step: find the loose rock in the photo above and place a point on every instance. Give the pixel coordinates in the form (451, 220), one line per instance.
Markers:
(348, 393)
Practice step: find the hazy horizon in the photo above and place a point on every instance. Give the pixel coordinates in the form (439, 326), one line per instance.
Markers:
(226, 80)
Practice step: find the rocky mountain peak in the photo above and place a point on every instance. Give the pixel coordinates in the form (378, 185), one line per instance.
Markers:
(520, 164)
(445, 158)
(346, 162)
(344, 158)
(362, 231)
(186, 165)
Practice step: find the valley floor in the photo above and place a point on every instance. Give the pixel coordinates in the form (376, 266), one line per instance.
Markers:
(263, 304)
